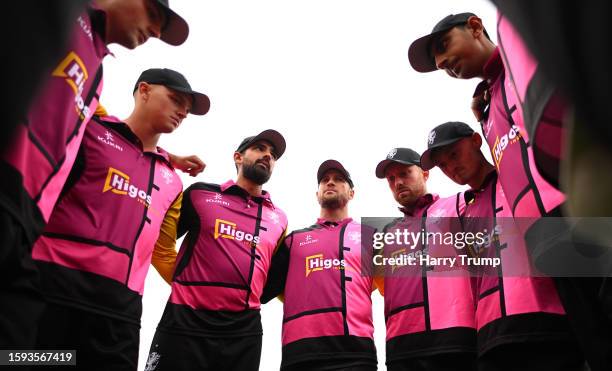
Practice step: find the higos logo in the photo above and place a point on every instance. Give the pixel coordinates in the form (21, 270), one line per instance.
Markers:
(395, 254)
(73, 70)
(317, 262)
(119, 183)
(513, 136)
(229, 230)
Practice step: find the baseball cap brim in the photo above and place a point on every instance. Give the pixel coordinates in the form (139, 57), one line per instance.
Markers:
(382, 166)
(176, 29)
(333, 165)
(201, 102)
(419, 53)
(426, 161)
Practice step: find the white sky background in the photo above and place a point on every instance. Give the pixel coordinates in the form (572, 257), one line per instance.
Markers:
(332, 76)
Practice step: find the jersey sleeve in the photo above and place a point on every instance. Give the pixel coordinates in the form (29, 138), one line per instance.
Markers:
(377, 271)
(188, 216)
(378, 278)
(164, 253)
(277, 275)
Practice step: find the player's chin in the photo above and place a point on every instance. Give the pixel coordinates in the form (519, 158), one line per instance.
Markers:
(130, 43)
(167, 129)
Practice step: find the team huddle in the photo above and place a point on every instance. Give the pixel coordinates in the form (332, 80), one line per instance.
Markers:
(90, 201)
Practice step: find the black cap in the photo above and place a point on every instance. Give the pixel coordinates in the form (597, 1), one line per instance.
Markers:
(443, 135)
(175, 81)
(176, 29)
(335, 165)
(404, 156)
(419, 53)
(272, 136)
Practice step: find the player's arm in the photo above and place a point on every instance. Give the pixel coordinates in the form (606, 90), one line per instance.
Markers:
(277, 275)
(164, 252)
(378, 279)
(376, 271)
(191, 165)
(379, 270)
(189, 219)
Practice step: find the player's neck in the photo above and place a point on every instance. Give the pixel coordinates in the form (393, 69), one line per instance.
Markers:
(478, 181)
(248, 185)
(334, 215)
(148, 137)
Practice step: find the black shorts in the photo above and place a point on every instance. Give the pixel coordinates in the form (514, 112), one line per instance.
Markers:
(180, 352)
(458, 361)
(327, 366)
(101, 343)
(557, 356)
(331, 365)
(21, 303)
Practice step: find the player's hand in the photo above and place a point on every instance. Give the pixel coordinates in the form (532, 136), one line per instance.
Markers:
(480, 102)
(191, 165)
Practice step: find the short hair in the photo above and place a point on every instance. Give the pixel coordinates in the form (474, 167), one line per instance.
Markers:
(464, 25)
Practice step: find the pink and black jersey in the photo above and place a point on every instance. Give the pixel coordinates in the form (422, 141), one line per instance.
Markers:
(541, 108)
(513, 306)
(428, 310)
(527, 192)
(223, 262)
(36, 165)
(327, 294)
(96, 249)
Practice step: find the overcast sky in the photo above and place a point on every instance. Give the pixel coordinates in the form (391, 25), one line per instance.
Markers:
(332, 76)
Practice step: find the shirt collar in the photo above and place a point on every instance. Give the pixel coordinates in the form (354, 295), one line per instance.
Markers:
(421, 203)
(126, 132)
(492, 70)
(470, 195)
(330, 224)
(494, 67)
(231, 187)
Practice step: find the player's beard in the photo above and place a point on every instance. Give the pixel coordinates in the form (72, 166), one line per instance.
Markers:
(257, 174)
(413, 194)
(337, 201)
